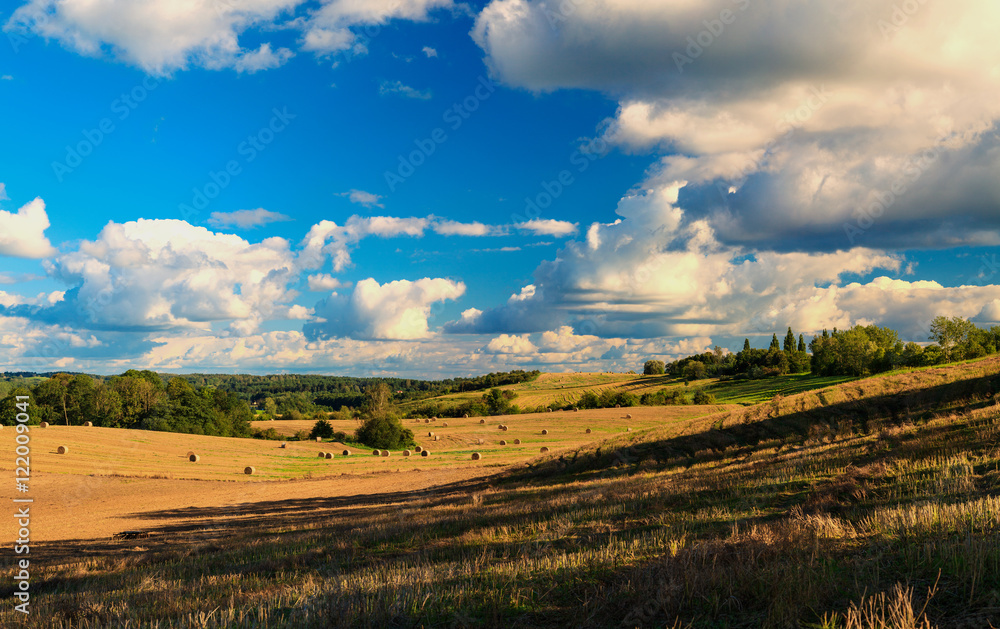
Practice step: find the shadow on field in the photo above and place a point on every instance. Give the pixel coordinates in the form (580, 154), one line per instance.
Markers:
(207, 525)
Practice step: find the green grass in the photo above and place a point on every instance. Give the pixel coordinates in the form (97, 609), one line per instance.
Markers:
(758, 391)
(568, 388)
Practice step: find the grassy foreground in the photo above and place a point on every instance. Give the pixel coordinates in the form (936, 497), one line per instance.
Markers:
(872, 503)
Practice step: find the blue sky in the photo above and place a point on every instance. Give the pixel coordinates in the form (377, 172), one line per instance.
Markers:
(429, 188)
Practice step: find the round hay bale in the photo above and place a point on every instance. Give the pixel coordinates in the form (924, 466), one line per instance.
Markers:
(618, 405)
(482, 421)
(545, 432)
(425, 453)
(385, 453)
(627, 429)
(190, 453)
(44, 425)
(194, 458)
(466, 416)
(476, 456)
(576, 410)
(319, 439)
(502, 442)
(88, 424)
(62, 450)
(346, 453)
(544, 449)
(628, 416)
(329, 455)
(249, 470)
(445, 424)
(418, 449)
(505, 427)
(479, 442)
(430, 434)
(427, 421)
(284, 445)
(517, 442)
(499, 426)
(588, 431)
(548, 410)
(322, 455)
(434, 419)
(376, 453)
(435, 437)
(407, 453)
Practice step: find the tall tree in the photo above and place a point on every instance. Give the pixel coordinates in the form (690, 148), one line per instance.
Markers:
(789, 345)
(746, 345)
(802, 344)
(774, 342)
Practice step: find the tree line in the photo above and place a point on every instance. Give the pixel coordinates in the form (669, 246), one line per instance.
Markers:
(859, 351)
(134, 399)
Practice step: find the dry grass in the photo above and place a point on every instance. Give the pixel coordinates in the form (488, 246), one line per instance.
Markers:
(871, 504)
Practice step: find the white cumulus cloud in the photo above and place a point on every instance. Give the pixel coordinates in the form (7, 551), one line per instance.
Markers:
(396, 310)
(22, 234)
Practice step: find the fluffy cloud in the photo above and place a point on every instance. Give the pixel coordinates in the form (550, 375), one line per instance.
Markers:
(454, 228)
(246, 219)
(162, 36)
(156, 35)
(23, 234)
(654, 274)
(396, 310)
(324, 282)
(328, 239)
(328, 29)
(361, 197)
(168, 274)
(796, 124)
(548, 227)
(507, 344)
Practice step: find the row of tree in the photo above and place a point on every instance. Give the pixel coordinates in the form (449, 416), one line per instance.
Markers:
(304, 393)
(134, 399)
(858, 351)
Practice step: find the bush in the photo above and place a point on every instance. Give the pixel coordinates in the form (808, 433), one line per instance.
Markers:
(302, 435)
(384, 433)
(701, 397)
(270, 434)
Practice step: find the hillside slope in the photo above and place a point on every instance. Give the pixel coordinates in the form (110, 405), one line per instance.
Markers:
(872, 503)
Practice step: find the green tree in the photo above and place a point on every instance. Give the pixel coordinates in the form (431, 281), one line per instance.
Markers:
(653, 368)
(789, 345)
(9, 409)
(377, 400)
(381, 427)
(694, 370)
(746, 345)
(270, 407)
(51, 397)
(321, 429)
(774, 342)
(951, 333)
(802, 344)
(498, 402)
(107, 407)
